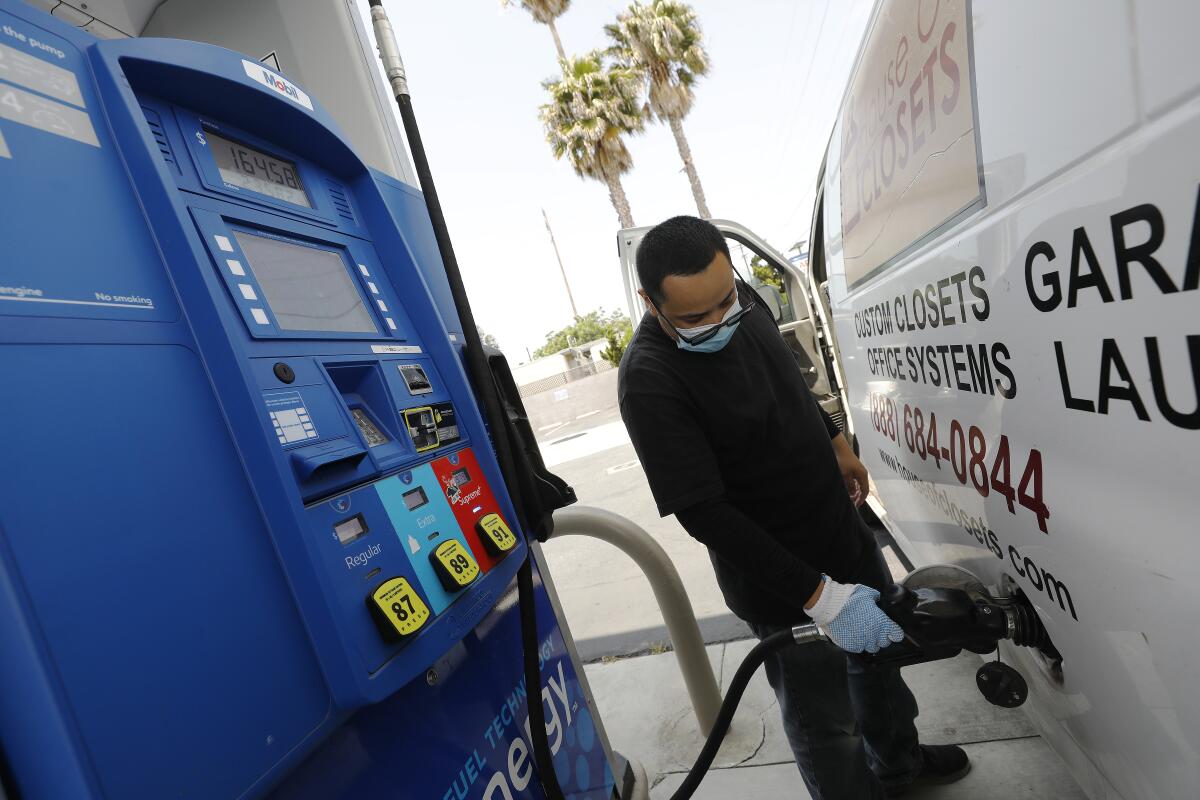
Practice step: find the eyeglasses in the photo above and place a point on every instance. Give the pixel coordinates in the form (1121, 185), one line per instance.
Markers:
(750, 302)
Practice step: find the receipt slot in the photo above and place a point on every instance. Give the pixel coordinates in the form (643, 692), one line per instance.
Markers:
(254, 539)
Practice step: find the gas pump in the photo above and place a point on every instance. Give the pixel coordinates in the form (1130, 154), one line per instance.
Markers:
(268, 514)
(255, 537)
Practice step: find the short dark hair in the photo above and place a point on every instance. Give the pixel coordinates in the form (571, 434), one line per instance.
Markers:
(680, 246)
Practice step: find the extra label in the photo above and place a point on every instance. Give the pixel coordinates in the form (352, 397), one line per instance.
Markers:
(454, 565)
(398, 608)
(496, 535)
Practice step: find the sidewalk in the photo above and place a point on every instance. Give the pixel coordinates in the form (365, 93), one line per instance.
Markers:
(649, 718)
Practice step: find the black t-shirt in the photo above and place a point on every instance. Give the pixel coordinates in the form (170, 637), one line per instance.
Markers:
(734, 444)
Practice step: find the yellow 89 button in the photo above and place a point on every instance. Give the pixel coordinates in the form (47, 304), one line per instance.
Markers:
(454, 565)
(495, 534)
(398, 610)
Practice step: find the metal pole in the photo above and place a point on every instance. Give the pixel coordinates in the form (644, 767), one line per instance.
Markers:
(570, 297)
(672, 598)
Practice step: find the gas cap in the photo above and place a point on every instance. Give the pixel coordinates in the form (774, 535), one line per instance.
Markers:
(1001, 685)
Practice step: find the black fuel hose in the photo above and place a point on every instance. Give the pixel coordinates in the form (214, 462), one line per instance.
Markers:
(533, 683)
(737, 687)
(485, 389)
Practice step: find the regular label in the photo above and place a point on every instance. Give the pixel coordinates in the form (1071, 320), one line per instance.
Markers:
(34, 73)
(454, 564)
(45, 115)
(397, 602)
(496, 534)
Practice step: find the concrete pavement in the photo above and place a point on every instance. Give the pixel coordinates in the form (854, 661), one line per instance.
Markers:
(648, 717)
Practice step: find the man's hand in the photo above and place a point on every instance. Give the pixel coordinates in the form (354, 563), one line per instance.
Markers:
(854, 473)
(849, 616)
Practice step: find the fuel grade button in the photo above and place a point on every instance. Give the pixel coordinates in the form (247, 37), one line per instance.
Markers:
(397, 609)
(454, 565)
(495, 534)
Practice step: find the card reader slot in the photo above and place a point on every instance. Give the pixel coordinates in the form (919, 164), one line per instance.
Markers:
(319, 466)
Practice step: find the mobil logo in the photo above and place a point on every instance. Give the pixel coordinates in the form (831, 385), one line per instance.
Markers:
(280, 84)
(277, 83)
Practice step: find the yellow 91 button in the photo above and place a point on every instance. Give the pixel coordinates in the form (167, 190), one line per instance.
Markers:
(397, 608)
(454, 565)
(496, 535)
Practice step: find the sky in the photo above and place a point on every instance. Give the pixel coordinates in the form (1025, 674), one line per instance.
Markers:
(757, 132)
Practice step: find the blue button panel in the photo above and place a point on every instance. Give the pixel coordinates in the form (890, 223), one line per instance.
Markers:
(423, 520)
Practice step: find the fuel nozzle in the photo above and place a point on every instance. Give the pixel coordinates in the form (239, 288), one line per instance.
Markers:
(944, 610)
(938, 623)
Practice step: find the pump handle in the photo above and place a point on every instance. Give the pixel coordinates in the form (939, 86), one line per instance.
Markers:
(937, 624)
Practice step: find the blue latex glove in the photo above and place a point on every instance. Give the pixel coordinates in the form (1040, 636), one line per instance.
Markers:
(849, 616)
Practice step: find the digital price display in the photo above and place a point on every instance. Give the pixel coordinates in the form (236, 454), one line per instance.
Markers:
(415, 498)
(247, 168)
(351, 530)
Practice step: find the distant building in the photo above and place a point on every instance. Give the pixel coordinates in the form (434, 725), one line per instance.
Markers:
(569, 364)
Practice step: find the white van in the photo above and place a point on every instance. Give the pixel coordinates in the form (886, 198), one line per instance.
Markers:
(1003, 286)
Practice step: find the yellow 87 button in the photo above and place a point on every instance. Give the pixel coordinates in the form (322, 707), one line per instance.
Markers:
(397, 608)
(454, 565)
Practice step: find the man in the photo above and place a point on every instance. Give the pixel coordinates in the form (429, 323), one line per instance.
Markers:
(735, 446)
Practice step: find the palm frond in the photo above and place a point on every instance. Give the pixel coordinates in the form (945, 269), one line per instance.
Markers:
(592, 107)
(542, 11)
(662, 40)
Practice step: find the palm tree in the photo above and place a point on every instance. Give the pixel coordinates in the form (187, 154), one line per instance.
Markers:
(545, 12)
(592, 107)
(662, 41)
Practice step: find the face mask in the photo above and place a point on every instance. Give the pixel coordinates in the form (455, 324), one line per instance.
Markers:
(718, 340)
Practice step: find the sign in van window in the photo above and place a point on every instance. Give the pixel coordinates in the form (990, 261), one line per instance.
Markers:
(910, 139)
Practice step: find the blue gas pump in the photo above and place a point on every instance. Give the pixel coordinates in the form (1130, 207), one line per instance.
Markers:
(254, 536)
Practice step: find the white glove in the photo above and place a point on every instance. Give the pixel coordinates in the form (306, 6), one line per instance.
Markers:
(848, 615)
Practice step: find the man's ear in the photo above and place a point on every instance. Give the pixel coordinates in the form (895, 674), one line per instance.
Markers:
(649, 305)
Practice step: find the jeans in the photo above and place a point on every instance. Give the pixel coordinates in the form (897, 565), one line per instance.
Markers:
(851, 729)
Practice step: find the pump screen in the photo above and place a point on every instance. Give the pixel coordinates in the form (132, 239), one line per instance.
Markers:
(415, 498)
(242, 165)
(369, 429)
(308, 288)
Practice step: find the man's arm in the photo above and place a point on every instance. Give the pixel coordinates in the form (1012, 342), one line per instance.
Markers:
(854, 472)
(718, 525)
(685, 479)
